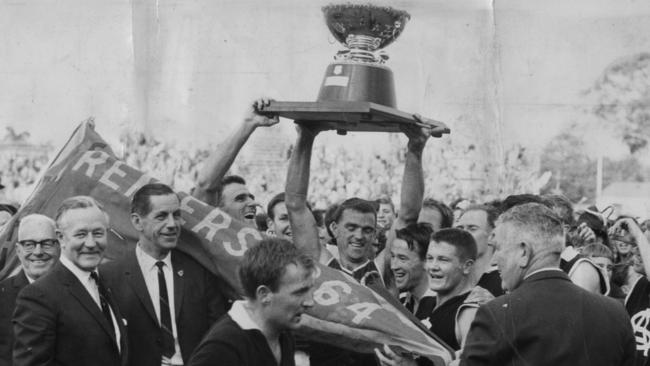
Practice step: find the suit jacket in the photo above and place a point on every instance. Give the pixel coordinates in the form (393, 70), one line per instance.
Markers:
(57, 322)
(9, 289)
(197, 300)
(548, 320)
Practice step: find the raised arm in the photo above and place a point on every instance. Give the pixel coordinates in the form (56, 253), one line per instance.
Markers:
(412, 191)
(221, 159)
(303, 223)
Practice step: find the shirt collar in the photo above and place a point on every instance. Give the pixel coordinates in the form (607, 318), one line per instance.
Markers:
(239, 315)
(82, 275)
(148, 262)
(24, 273)
(408, 295)
(569, 253)
(332, 259)
(428, 293)
(542, 270)
(493, 267)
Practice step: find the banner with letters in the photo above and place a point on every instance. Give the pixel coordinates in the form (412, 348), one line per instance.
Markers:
(345, 313)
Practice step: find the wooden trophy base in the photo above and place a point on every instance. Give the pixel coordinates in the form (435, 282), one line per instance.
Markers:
(345, 116)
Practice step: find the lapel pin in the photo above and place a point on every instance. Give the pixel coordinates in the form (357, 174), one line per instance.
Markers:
(180, 273)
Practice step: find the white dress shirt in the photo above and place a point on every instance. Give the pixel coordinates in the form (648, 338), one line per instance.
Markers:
(240, 315)
(90, 286)
(149, 270)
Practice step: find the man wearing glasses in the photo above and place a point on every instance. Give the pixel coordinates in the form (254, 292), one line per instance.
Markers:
(38, 250)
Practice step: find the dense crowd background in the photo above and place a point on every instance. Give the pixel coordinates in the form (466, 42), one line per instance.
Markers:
(338, 172)
(456, 168)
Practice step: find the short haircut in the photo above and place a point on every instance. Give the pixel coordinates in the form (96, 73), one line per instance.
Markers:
(562, 207)
(228, 179)
(74, 203)
(417, 237)
(520, 199)
(385, 201)
(537, 225)
(328, 218)
(260, 221)
(496, 203)
(355, 204)
(141, 202)
(492, 213)
(380, 240)
(462, 240)
(319, 215)
(445, 211)
(596, 223)
(598, 250)
(28, 219)
(280, 197)
(265, 263)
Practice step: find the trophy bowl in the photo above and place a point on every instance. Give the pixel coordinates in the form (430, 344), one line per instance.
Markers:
(358, 91)
(380, 22)
(358, 73)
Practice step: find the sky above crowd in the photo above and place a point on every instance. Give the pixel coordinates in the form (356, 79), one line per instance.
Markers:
(500, 71)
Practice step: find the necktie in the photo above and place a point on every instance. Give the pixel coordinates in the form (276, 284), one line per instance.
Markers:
(410, 303)
(165, 314)
(103, 303)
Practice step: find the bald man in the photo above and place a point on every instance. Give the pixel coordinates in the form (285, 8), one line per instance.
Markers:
(38, 251)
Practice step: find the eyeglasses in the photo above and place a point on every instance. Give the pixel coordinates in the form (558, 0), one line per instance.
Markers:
(46, 244)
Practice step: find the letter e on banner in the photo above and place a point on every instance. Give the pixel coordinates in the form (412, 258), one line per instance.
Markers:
(91, 159)
(113, 170)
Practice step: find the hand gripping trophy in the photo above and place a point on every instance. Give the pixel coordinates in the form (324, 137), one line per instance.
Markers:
(358, 91)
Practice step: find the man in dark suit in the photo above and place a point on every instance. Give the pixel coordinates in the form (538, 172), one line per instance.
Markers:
(545, 319)
(67, 317)
(38, 250)
(168, 299)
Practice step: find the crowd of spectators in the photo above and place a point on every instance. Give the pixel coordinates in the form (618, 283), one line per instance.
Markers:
(338, 172)
(18, 173)
(459, 243)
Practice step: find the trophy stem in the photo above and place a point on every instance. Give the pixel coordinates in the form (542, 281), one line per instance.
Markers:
(362, 48)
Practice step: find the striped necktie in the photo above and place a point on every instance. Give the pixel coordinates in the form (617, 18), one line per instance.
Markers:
(165, 314)
(103, 302)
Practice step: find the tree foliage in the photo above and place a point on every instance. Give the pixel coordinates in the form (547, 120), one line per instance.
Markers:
(574, 171)
(622, 100)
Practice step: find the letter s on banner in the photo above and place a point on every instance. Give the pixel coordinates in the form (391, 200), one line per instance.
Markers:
(241, 239)
(326, 294)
